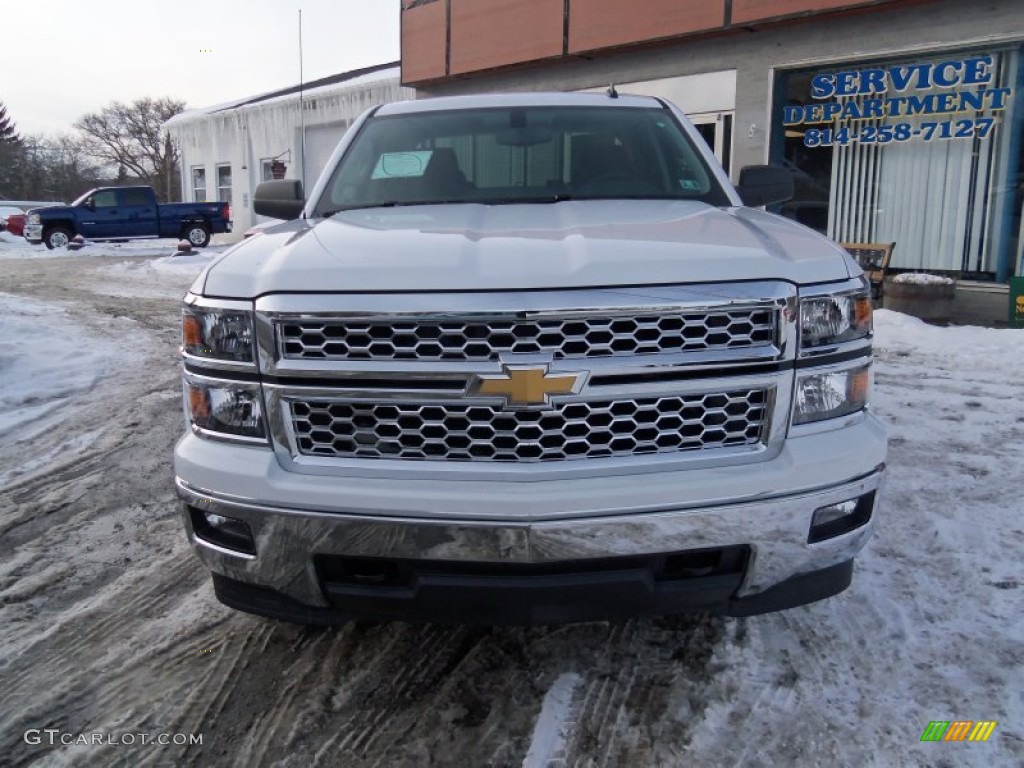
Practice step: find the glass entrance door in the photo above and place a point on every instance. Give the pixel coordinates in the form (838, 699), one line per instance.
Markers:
(716, 128)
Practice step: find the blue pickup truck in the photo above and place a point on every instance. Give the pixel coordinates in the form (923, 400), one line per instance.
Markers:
(126, 213)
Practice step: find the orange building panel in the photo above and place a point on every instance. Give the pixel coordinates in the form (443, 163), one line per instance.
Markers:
(746, 11)
(597, 24)
(424, 40)
(494, 33)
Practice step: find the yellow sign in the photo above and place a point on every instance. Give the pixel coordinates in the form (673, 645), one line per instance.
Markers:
(529, 386)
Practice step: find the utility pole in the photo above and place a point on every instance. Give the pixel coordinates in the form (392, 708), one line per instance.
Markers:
(302, 116)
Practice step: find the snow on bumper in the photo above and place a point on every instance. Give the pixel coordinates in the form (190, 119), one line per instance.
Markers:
(767, 508)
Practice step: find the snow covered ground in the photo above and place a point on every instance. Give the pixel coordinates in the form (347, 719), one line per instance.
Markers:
(14, 247)
(108, 625)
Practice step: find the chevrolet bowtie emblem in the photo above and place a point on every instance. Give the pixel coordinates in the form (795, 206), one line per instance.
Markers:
(529, 385)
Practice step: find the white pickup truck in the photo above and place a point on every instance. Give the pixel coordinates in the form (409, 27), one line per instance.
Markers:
(528, 359)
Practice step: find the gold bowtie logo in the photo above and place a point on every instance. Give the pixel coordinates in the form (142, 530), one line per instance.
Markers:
(529, 386)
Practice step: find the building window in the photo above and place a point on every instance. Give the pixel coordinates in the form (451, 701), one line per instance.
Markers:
(266, 173)
(911, 151)
(224, 183)
(199, 185)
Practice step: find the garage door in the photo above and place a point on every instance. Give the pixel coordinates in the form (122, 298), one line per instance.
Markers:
(320, 143)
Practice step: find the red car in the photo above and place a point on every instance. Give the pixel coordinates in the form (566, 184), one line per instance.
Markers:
(13, 214)
(15, 224)
(10, 212)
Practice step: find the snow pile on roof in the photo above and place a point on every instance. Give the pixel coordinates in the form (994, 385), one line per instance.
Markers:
(314, 90)
(339, 82)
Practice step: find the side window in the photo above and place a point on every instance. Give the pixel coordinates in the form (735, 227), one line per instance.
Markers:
(105, 199)
(224, 183)
(199, 185)
(135, 197)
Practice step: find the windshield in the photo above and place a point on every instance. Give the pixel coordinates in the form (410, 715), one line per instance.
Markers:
(81, 200)
(516, 154)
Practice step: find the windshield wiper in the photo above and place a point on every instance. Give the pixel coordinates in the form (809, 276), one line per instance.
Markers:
(537, 199)
(382, 204)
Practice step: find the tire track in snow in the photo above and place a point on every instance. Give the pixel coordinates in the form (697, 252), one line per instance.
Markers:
(553, 724)
(435, 651)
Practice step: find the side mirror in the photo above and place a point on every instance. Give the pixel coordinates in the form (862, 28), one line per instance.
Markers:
(279, 199)
(764, 185)
(90, 204)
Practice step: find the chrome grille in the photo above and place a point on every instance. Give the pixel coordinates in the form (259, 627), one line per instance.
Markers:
(483, 339)
(568, 430)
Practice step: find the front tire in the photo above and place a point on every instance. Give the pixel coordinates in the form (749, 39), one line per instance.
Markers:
(197, 234)
(57, 237)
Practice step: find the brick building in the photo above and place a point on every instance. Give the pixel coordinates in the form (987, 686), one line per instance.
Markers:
(900, 119)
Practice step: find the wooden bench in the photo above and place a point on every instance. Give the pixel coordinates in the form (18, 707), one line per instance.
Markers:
(874, 260)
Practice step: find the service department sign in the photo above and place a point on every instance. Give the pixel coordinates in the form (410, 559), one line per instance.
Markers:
(959, 94)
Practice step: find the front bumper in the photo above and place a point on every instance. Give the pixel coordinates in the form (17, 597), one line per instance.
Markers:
(34, 233)
(548, 565)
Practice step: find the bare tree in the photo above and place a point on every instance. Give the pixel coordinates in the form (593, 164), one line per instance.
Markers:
(130, 138)
(54, 168)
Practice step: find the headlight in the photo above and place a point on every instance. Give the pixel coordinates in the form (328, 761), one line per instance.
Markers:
(226, 408)
(32, 218)
(217, 334)
(831, 394)
(834, 319)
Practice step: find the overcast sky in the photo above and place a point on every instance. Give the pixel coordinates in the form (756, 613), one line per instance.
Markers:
(61, 59)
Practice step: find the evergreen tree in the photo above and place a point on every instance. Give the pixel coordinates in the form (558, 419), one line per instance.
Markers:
(8, 135)
(11, 156)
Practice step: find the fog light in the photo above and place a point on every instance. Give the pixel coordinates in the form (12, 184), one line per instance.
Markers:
(228, 532)
(837, 519)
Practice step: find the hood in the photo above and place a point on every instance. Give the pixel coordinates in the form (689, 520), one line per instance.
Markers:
(570, 244)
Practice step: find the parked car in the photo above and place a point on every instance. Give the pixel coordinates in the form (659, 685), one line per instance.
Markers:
(12, 214)
(7, 212)
(15, 224)
(528, 358)
(126, 213)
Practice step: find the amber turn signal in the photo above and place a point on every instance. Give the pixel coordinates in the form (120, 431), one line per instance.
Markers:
(858, 384)
(862, 313)
(198, 403)
(191, 332)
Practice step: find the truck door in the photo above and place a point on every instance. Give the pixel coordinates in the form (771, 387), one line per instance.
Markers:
(138, 213)
(102, 219)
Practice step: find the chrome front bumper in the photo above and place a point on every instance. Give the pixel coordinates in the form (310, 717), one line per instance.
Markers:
(34, 233)
(775, 530)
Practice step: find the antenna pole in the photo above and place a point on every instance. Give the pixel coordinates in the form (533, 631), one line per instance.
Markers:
(302, 116)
